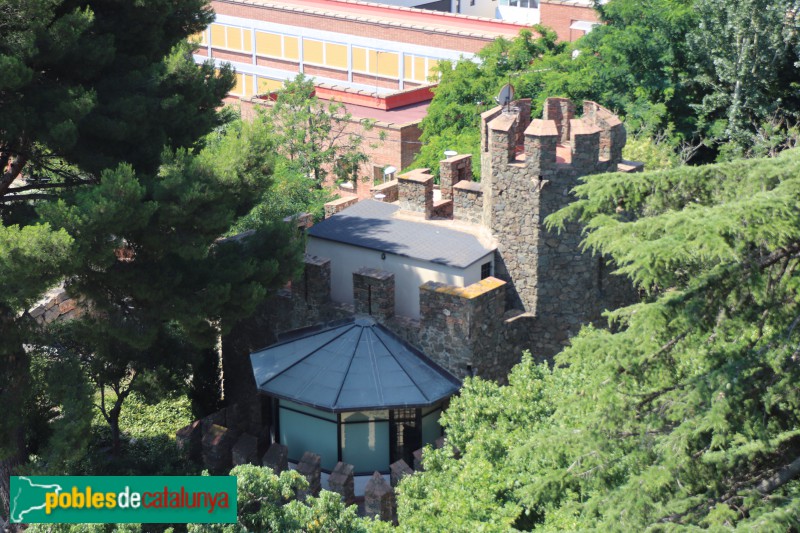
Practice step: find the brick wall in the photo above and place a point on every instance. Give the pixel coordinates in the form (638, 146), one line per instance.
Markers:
(560, 16)
(462, 42)
(385, 144)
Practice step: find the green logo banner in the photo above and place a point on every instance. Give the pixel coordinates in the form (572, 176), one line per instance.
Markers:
(119, 499)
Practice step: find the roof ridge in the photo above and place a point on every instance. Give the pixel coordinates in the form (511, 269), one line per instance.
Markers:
(309, 354)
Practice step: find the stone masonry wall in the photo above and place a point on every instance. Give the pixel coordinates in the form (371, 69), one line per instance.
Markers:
(453, 170)
(340, 204)
(389, 189)
(56, 305)
(549, 278)
(373, 292)
(468, 202)
(415, 191)
(457, 323)
(544, 288)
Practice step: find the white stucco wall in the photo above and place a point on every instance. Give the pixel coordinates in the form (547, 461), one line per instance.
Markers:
(498, 9)
(482, 8)
(409, 273)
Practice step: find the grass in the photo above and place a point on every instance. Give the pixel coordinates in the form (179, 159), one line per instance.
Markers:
(148, 439)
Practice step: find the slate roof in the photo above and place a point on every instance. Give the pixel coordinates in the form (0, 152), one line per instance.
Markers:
(372, 224)
(350, 365)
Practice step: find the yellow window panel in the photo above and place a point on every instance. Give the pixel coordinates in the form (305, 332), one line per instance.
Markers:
(312, 51)
(291, 48)
(408, 61)
(419, 69)
(268, 44)
(234, 38)
(247, 40)
(373, 61)
(266, 85)
(238, 89)
(247, 81)
(388, 64)
(218, 35)
(336, 55)
(359, 59)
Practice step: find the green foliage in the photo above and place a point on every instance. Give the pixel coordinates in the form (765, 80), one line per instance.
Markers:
(746, 57)
(709, 74)
(314, 136)
(62, 411)
(148, 440)
(683, 416)
(160, 280)
(466, 89)
(292, 193)
(656, 154)
(85, 87)
(121, 75)
(267, 502)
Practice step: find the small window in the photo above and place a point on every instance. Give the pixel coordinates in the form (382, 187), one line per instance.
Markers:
(486, 270)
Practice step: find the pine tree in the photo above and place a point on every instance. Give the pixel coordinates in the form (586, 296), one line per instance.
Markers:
(161, 280)
(85, 86)
(685, 414)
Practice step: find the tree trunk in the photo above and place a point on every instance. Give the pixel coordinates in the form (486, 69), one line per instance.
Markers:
(14, 385)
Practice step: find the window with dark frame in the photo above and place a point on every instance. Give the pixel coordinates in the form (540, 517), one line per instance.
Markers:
(486, 270)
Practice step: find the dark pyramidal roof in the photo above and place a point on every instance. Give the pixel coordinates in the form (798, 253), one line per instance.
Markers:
(350, 365)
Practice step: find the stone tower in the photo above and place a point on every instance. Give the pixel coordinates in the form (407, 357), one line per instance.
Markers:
(529, 168)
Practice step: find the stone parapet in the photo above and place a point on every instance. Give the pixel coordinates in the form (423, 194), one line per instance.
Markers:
(585, 143)
(541, 141)
(57, 306)
(468, 202)
(453, 170)
(217, 444)
(342, 481)
(443, 209)
(456, 321)
(388, 189)
(314, 285)
(189, 440)
(398, 470)
(415, 192)
(310, 468)
(561, 111)
(379, 500)
(340, 204)
(245, 451)
(373, 293)
(276, 458)
(613, 136)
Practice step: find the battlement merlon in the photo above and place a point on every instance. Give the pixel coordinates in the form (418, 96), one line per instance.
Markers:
(453, 170)
(415, 191)
(592, 143)
(541, 140)
(503, 138)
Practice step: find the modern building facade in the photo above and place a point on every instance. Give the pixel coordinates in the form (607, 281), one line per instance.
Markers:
(368, 47)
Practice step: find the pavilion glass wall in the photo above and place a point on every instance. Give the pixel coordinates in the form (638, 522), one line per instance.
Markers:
(365, 440)
(305, 429)
(360, 438)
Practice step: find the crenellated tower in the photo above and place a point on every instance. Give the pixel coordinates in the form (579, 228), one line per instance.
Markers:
(529, 169)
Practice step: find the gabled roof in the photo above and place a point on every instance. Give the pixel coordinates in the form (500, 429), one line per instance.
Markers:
(350, 365)
(375, 225)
